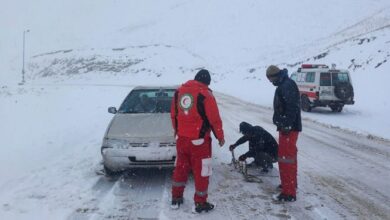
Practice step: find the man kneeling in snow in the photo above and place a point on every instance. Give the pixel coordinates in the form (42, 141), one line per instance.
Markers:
(262, 146)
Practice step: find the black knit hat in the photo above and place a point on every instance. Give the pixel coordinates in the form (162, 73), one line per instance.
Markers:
(245, 127)
(203, 76)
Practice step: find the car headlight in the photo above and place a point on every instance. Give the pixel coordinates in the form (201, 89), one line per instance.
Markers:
(114, 143)
(104, 149)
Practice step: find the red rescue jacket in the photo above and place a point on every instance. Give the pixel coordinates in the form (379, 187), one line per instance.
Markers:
(194, 112)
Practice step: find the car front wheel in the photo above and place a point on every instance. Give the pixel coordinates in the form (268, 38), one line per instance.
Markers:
(305, 104)
(108, 172)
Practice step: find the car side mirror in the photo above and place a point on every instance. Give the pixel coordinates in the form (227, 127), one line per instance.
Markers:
(112, 110)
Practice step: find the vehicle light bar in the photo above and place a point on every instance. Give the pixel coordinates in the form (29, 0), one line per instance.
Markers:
(313, 66)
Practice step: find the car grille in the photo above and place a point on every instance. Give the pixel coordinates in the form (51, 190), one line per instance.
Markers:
(134, 160)
(138, 144)
(172, 144)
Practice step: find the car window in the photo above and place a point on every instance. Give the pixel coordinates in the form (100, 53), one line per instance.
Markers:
(301, 77)
(294, 76)
(147, 101)
(340, 77)
(310, 77)
(325, 79)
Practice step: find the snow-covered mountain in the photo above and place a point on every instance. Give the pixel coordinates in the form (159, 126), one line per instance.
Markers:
(101, 49)
(153, 43)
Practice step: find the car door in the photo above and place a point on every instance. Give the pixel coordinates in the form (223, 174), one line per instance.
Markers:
(325, 91)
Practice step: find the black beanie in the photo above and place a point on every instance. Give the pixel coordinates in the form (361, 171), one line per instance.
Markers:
(245, 127)
(203, 76)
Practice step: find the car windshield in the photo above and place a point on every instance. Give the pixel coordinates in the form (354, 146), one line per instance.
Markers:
(148, 101)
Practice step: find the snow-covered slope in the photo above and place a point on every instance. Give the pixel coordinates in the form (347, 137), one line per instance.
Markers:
(236, 41)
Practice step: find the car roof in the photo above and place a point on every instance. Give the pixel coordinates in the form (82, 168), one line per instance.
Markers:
(155, 87)
(321, 70)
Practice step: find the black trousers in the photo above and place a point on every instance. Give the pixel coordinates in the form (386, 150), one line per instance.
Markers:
(264, 160)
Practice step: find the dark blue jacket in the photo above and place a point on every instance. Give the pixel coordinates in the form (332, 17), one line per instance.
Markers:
(287, 109)
(259, 141)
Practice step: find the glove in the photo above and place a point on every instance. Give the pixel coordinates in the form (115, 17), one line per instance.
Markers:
(285, 130)
(231, 147)
(221, 142)
(242, 158)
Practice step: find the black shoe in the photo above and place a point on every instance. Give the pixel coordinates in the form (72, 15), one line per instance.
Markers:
(176, 202)
(286, 198)
(200, 207)
(264, 170)
(270, 166)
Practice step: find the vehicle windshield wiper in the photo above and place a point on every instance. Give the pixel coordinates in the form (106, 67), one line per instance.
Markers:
(128, 112)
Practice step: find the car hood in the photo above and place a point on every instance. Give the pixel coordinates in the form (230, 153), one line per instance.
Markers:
(140, 127)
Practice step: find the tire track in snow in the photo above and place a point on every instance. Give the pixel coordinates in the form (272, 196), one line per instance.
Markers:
(360, 155)
(138, 195)
(342, 181)
(99, 190)
(356, 151)
(361, 143)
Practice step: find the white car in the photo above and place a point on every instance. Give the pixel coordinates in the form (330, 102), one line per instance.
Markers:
(140, 134)
(320, 85)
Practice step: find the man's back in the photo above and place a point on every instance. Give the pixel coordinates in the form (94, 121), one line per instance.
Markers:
(195, 112)
(265, 139)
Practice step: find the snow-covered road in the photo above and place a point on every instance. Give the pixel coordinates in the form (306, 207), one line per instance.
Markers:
(341, 175)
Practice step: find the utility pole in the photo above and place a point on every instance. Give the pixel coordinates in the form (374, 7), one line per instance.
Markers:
(24, 46)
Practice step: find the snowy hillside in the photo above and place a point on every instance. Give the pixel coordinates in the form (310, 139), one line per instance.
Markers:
(166, 42)
(82, 57)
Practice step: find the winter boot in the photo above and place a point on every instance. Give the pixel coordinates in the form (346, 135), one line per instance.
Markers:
(176, 202)
(285, 198)
(205, 206)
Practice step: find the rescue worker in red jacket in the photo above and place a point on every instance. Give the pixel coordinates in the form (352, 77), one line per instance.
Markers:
(287, 118)
(194, 113)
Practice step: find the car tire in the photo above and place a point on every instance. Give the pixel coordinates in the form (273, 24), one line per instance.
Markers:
(336, 108)
(343, 90)
(109, 173)
(305, 104)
